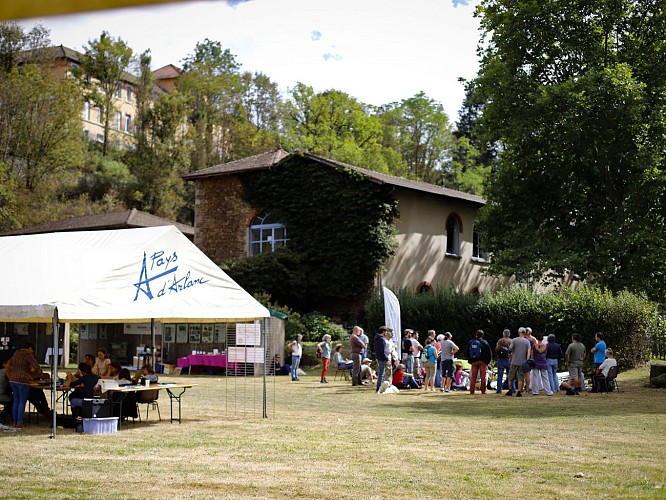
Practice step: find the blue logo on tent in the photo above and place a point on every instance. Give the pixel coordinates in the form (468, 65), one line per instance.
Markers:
(159, 262)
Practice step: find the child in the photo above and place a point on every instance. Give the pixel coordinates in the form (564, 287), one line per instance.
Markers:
(458, 379)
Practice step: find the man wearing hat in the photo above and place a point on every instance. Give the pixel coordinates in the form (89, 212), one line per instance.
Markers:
(367, 374)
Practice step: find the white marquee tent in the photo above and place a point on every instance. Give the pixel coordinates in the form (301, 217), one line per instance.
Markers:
(118, 276)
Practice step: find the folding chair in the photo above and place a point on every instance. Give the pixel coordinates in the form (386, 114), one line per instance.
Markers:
(343, 371)
(148, 398)
(611, 377)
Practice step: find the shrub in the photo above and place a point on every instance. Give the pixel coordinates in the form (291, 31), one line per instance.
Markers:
(630, 322)
(317, 325)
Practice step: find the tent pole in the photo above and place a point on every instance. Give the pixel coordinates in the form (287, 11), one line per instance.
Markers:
(152, 342)
(54, 371)
(266, 325)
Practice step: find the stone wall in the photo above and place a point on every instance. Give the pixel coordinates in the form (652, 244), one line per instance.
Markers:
(222, 218)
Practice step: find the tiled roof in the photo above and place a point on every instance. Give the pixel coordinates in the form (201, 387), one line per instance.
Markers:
(401, 182)
(266, 160)
(66, 53)
(168, 71)
(256, 162)
(110, 220)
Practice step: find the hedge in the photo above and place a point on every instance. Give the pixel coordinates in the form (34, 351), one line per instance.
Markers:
(629, 322)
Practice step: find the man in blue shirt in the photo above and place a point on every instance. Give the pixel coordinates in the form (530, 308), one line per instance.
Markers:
(599, 349)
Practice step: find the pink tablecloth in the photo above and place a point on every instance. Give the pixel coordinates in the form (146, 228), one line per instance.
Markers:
(217, 360)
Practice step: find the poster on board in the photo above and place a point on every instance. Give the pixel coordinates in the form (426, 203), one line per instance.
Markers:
(181, 334)
(169, 333)
(207, 333)
(195, 334)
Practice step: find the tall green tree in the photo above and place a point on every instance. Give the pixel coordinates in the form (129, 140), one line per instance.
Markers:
(334, 125)
(161, 155)
(18, 45)
(463, 169)
(575, 92)
(104, 64)
(422, 135)
(212, 84)
(40, 126)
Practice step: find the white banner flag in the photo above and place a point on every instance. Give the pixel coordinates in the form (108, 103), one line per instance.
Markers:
(392, 317)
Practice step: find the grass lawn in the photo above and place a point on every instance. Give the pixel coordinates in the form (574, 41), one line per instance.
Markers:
(335, 441)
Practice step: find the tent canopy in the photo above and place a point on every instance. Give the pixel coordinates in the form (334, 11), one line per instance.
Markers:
(118, 276)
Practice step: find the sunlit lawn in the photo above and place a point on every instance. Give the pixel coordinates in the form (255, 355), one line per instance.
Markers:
(335, 441)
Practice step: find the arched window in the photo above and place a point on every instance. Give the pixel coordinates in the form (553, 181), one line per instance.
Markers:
(453, 228)
(424, 287)
(266, 234)
(478, 253)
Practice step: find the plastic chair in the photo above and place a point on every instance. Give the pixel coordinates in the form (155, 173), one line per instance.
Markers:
(148, 398)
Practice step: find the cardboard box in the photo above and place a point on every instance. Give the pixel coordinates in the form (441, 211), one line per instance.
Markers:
(168, 369)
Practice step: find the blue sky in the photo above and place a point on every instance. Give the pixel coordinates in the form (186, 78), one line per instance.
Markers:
(378, 51)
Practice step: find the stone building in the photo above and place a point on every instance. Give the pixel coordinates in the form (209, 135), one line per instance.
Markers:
(438, 244)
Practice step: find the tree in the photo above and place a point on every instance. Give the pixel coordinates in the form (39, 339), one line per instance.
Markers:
(334, 125)
(575, 93)
(463, 170)
(213, 87)
(40, 127)
(161, 154)
(423, 135)
(18, 45)
(103, 67)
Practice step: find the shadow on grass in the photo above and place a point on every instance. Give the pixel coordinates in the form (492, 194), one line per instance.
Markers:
(633, 399)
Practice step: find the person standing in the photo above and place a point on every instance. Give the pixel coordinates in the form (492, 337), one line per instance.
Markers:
(528, 375)
(324, 348)
(382, 354)
(430, 364)
(407, 352)
(540, 370)
(599, 350)
(365, 340)
(553, 356)
(521, 351)
(447, 352)
(20, 365)
(296, 353)
(416, 353)
(575, 356)
(357, 348)
(479, 356)
(503, 364)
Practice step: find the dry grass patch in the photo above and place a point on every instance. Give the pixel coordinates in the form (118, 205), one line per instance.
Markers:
(335, 441)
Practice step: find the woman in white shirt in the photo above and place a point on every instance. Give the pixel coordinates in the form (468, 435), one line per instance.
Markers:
(296, 352)
(102, 367)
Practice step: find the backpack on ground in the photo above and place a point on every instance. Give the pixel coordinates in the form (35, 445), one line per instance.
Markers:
(474, 350)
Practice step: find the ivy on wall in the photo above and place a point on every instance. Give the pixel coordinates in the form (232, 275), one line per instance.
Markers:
(340, 229)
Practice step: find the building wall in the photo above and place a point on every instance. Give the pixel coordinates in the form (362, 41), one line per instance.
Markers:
(421, 255)
(222, 218)
(93, 123)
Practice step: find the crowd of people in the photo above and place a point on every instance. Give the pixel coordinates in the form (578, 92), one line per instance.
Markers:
(526, 362)
(21, 371)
